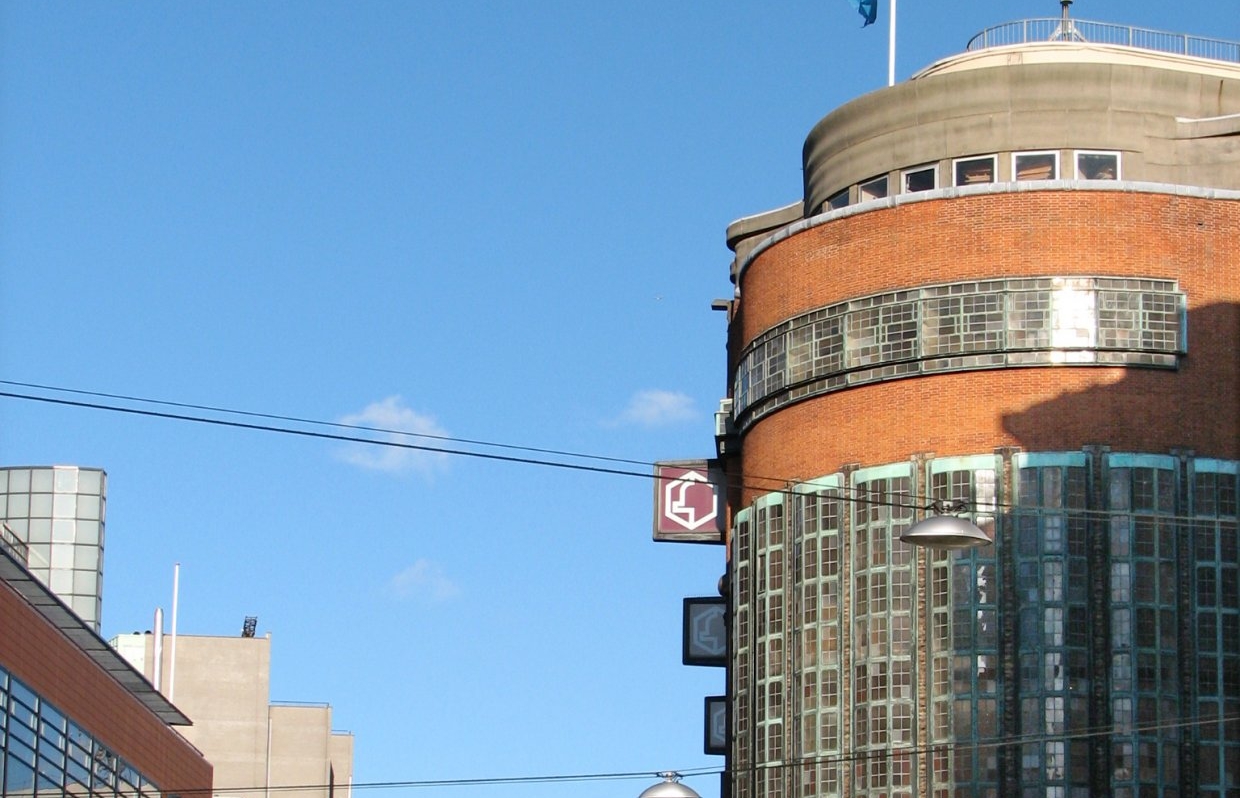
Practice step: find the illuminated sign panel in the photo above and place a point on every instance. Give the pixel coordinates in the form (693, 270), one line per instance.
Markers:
(716, 725)
(705, 632)
(688, 501)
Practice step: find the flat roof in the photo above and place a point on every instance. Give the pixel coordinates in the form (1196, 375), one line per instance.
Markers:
(57, 613)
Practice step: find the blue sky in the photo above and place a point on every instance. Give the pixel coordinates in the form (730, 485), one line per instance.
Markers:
(501, 222)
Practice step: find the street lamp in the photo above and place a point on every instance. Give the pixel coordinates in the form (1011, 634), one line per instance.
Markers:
(670, 787)
(945, 529)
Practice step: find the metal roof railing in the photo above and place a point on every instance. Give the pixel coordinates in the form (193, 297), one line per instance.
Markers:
(1059, 29)
(13, 544)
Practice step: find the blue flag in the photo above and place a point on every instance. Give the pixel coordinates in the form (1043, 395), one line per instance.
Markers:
(867, 9)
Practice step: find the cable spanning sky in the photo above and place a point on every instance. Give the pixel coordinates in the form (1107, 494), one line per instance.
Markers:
(476, 221)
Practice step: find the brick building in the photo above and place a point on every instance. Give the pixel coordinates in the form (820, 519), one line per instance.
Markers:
(76, 718)
(1013, 281)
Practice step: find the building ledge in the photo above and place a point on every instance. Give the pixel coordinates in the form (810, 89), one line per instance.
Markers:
(54, 611)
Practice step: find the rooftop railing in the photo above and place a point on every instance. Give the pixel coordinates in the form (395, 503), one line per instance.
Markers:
(13, 544)
(1058, 29)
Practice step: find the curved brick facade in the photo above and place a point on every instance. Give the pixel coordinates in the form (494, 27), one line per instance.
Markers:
(1011, 292)
(1195, 241)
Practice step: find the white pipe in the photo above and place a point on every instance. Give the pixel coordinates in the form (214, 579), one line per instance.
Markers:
(891, 46)
(157, 670)
(172, 667)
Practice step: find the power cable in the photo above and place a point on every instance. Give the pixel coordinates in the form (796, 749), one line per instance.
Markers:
(318, 422)
(887, 752)
(321, 435)
(864, 496)
(862, 499)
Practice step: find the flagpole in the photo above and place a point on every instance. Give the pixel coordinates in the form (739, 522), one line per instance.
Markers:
(891, 46)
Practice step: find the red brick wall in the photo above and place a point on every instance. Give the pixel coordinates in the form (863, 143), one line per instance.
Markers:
(35, 652)
(1112, 233)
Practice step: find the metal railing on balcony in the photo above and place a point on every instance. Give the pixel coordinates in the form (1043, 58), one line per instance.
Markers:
(13, 544)
(1058, 29)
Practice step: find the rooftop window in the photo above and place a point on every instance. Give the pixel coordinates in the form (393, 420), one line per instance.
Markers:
(874, 189)
(1035, 165)
(920, 178)
(1097, 165)
(971, 171)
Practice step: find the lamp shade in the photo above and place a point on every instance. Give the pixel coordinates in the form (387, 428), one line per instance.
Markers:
(670, 787)
(945, 532)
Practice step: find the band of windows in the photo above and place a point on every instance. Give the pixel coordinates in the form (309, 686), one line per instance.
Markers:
(43, 751)
(1156, 532)
(977, 169)
(959, 327)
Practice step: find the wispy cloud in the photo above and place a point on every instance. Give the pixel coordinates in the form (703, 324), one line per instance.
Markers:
(656, 408)
(423, 580)
(393, 416)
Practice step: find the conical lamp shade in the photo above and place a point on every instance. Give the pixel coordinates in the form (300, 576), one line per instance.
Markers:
(945, 532)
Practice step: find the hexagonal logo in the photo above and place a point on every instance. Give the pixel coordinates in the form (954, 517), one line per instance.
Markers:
(687, 502)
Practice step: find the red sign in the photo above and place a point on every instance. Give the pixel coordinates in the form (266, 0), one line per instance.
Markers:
(688, 501)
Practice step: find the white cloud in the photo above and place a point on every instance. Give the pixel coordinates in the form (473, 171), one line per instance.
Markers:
(392, 414)
(423, 580)
(654, 408)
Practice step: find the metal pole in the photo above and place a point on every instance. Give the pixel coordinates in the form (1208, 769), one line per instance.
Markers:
(172, 668)
(157, 671)
(891, 46)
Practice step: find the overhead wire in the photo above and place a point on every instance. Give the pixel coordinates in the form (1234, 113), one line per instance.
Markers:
(786, 486)
(884, 752)
(318, 422)
(791, 487)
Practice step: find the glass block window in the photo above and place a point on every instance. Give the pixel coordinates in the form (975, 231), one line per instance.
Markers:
(953, 322)
(1052, 577)
(973, 171)
(920, 178)
(1144, 583)
(1073, 318)
(1035, 165)
(973, 633)
(1216, 576)
(821, 509)
(42, 751)
(883, 692)
(875, 188)
(880, 330)
(958, 327)
(836, 664)
(772, 638)
(1136, 319)
(1097, 165)
(742, 670)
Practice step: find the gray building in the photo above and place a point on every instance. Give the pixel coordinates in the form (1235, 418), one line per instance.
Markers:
(254, 744)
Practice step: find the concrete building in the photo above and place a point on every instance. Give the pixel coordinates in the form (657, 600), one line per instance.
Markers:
(1012, 281)
(75, 718)
(223, 683)
(58, 512)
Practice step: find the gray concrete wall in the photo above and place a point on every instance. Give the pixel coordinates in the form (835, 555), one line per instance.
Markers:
(223, 685)
(1173, 119)
(301, 750)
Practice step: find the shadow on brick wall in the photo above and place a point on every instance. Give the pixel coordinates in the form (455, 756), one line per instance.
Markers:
(1195, 407)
